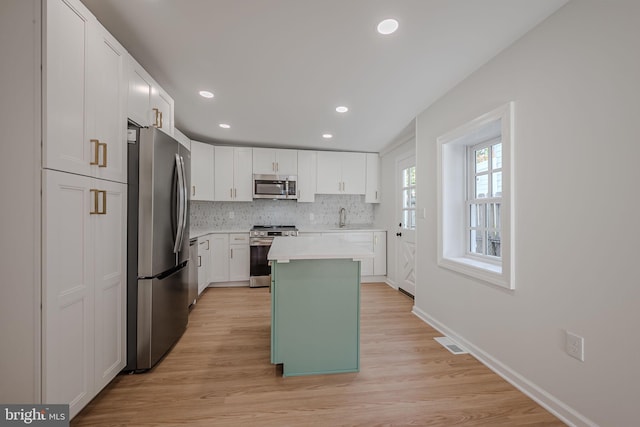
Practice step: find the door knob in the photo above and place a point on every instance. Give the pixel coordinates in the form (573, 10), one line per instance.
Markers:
(398, 234)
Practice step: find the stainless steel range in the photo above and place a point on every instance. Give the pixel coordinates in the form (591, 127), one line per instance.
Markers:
(260, 238)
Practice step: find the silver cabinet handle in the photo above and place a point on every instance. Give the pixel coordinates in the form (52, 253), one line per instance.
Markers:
(231, 253)
(199, 261)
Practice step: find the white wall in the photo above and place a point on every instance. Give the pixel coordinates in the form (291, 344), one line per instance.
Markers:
(20, 208)
(575, 81)
(387, 212)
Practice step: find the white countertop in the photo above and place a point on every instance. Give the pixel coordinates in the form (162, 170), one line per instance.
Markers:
(195, 232)
(284, 249)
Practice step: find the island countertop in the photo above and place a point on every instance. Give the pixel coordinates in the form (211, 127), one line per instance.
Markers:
(284, 249)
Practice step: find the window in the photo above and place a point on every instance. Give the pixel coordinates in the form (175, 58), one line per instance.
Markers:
(484, 198)
(474, 198)
(409, 198)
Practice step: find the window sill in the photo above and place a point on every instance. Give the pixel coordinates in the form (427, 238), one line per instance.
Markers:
(484, 271)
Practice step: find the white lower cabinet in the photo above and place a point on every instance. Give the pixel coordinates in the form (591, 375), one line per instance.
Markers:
(220, 257)
(375, 241)
(83, 286)
(230, 257)
(204, 262)
(238, 257)
(379, 253)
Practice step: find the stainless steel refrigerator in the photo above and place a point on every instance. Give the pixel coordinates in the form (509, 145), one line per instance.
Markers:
(157, 245)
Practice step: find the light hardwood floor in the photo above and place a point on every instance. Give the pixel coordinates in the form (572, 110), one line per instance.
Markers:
(219, 374)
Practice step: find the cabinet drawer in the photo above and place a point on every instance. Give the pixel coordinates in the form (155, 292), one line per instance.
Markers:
(238, 238)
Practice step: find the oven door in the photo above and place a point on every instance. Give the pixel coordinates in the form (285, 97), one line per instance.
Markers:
(259, 268)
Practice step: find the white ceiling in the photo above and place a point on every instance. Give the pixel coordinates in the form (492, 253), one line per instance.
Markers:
(278, 68)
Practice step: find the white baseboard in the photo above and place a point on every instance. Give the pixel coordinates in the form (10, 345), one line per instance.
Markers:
(243, 283)
(391, 283)
(373, 279)
(551, 403)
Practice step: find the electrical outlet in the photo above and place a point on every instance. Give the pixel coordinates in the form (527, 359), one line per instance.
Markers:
(574, 346)
(232, 215)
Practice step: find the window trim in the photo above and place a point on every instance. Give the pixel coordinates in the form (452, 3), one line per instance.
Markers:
(452, 186)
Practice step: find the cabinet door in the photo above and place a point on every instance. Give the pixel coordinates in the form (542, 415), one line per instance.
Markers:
(65, 70)
(161, 110)
(139, 98)
(353, 173)
(329, 173)
(307, 176)
(372, 194)
(223, 173)
(264, 161)
(238, 262)
(379, 253)
(67, 290)
(286, 162)
(110, 282)
(220, 258)
(202, 171)
(364, 240)
(106, 130)
(243, 174)
(204, 262)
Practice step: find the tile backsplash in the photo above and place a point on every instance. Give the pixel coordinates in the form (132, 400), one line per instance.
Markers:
(241, 215)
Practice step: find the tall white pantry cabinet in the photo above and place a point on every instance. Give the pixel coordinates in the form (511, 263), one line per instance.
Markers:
(64, 95)
(84, 205)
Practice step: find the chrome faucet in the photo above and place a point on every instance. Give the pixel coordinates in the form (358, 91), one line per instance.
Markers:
(343, 217)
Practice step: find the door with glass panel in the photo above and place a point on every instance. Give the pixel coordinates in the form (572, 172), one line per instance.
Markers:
(406, 234)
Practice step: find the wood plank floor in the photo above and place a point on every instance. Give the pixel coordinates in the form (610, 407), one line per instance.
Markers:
(219, 374)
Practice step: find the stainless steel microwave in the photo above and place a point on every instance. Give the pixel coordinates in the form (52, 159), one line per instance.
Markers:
(275, 187)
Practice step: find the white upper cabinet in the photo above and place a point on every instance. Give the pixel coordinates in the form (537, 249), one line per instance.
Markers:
(147, 103)
(372, 194)
(202, 171)
(341, 173)
(273, 161)
(307, 176)
(107, 126)
(233, 174)
(84, 120)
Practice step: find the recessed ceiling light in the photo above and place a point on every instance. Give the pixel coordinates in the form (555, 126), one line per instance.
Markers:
(342, 109)
(224, 126)
(388, 26)
(327, 136)
(206, 94)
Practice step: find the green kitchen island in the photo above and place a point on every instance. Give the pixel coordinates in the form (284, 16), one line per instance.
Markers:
(315, 304)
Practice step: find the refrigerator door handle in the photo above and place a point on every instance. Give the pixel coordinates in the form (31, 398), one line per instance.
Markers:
(185, 193)
(179, 205)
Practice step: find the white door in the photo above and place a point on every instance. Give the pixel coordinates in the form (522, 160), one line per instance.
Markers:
(264, 161)
(242, 174)
(406, 233)
(108, 121)
(329, 173)
(354, 166)
(287, 162)
(67, 290)
(202, 167)
(219, 258)
(223, 174)
(110, 281)
(66, 67)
